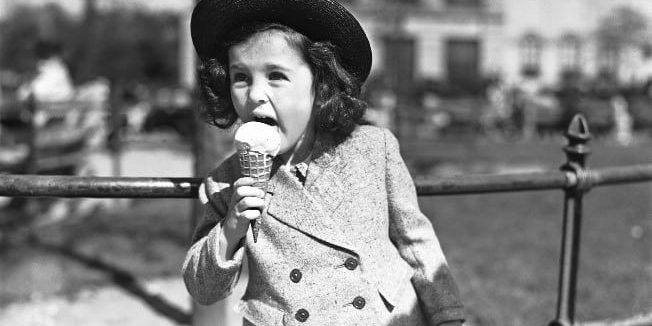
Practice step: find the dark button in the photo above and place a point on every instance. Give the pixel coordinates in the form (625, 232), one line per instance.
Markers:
(351, 263)
(359, 302)
(295, 275)
(302, 315)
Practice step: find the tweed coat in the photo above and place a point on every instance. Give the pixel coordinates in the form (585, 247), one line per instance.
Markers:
(350, 246)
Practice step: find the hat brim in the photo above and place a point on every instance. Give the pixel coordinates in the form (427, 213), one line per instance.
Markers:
(319, 20)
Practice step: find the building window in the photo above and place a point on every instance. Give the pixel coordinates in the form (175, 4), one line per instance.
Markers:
(530, 46)
(570, 51)
(400, 54)
(463, 64)
(608, 61)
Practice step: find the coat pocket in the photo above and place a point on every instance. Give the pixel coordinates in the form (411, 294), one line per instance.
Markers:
(392, 287)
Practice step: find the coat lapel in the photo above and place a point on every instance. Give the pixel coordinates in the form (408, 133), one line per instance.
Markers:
(312, 208)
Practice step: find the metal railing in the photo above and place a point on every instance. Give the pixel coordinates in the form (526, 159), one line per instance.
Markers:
(573, 178)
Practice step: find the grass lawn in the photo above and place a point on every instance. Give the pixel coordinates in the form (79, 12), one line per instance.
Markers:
(503, 248)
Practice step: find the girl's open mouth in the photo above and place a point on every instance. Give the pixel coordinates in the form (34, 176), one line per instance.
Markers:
(266, 120)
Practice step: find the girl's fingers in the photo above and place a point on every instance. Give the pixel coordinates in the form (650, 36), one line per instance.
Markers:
(247, 201)
(244, 181)
(248, 191)
(250, 203)
(251, 214)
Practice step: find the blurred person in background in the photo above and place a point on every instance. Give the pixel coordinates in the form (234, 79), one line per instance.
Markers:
(52, 81)
(622, 119)
(524, 102)
(497, 111)
(137, 106)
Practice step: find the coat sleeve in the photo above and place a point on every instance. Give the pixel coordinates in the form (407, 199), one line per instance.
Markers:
(209, 278)
(417, 243)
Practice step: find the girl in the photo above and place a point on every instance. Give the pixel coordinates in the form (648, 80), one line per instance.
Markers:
(342, 240)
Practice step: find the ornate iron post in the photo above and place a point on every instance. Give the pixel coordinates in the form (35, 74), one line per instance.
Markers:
(576, 152)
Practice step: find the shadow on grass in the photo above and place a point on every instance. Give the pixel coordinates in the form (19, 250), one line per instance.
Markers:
(122, 279)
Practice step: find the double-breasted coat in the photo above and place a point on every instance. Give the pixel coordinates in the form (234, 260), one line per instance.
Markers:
(349, 246)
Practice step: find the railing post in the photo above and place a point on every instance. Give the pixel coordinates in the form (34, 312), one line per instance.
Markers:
(576, 152)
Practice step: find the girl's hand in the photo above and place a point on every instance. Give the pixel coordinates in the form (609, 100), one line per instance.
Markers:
(247, 203)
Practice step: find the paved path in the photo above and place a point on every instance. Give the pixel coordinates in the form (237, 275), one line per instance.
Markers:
(100, 306)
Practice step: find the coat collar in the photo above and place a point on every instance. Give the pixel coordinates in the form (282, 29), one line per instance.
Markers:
(312, 208)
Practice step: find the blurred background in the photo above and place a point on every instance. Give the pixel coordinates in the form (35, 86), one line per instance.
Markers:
(106, 88)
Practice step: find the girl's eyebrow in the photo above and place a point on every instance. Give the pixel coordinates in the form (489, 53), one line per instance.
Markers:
(274, 66)
(270, 66)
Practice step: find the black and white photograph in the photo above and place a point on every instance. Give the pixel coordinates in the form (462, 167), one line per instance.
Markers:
(326, 162)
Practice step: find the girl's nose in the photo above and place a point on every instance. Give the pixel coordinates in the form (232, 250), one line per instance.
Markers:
(257, 93)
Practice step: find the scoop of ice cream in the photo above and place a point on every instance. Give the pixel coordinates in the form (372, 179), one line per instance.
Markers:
(258, 137)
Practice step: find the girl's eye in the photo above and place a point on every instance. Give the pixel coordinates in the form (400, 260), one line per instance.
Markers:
(275, 75)
(238, 77)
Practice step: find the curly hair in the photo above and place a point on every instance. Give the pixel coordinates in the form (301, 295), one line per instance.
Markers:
(337, 92)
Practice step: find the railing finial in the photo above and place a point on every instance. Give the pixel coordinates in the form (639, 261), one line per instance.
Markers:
(578, 136)
(579, 128)
(577, 150)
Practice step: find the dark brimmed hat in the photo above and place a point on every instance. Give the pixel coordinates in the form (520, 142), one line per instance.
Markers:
(319, 20)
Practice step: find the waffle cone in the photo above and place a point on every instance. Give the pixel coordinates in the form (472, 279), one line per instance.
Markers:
(257, 166)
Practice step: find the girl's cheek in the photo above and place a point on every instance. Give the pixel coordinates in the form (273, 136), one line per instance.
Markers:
(284, 146)
(239, 106)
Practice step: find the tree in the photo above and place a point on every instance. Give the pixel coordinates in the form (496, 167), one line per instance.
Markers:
(23, 27)
(133, 46)
(624, 27)
(122, 44)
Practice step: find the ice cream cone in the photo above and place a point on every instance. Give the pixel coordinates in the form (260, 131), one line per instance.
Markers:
(257, 166)
(257, 144)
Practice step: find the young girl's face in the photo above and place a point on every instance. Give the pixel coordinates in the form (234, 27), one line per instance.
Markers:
(272, 83)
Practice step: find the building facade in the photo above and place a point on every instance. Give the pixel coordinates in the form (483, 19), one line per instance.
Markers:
(455, 40)
(546, 39)
(463, 42)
